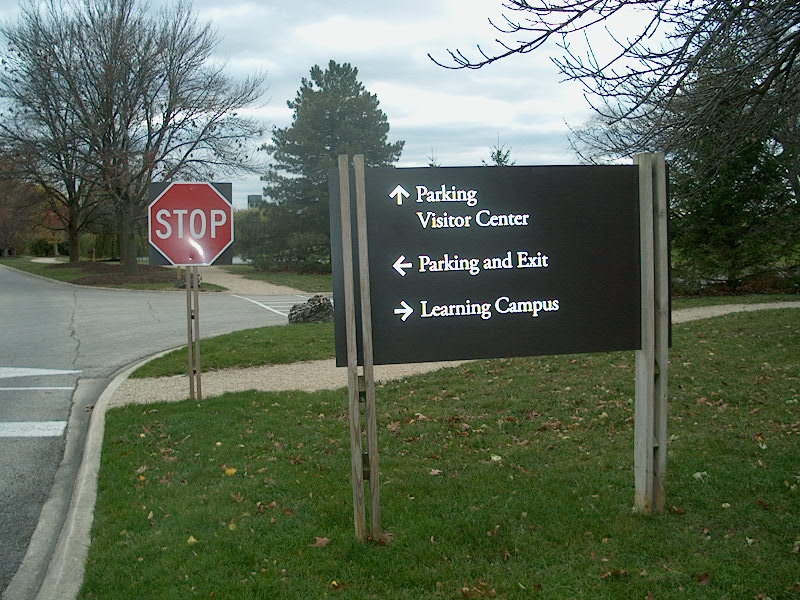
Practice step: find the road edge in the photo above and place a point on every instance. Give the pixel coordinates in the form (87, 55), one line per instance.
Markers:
(55, 571)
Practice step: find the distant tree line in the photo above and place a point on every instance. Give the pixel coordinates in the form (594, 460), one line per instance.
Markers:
(102, 97)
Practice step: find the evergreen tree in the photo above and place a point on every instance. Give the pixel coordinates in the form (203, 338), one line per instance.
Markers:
(333, 114)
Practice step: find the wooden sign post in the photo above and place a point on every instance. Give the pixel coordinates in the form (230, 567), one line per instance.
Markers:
(650, 409)
(193, 331)
(475, 262)
(361, 387)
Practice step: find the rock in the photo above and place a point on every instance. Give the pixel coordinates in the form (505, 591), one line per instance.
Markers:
(317, 309)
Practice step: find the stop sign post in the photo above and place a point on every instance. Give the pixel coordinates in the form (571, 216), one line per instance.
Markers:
(190, 224)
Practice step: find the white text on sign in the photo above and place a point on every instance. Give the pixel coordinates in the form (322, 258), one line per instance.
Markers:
(483, 218)
(473, 266)
(502, 305)
(470, 197)
(196, 224)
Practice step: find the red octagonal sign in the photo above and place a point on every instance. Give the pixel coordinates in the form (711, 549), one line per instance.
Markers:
(190, 224)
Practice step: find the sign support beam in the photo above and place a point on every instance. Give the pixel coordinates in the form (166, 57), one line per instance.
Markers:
(361, 386)
(366, 342)
(650, 418)
(354, 394)
(193, 332)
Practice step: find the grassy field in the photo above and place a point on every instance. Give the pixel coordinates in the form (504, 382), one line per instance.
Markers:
(250, 347)
(306, 282)
(505, 479)
(103, 274)
(277, 345)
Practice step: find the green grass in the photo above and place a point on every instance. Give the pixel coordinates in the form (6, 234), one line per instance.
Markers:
(250, 347)
(24, 263)
(505, 479)
(307, 282)
(275, 345)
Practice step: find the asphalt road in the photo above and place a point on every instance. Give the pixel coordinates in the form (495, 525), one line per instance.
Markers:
(59, 346)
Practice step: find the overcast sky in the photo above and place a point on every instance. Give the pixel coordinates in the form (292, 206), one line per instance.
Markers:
(455, 115)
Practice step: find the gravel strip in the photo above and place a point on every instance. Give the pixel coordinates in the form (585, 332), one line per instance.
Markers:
(237, 284)
(308, 376)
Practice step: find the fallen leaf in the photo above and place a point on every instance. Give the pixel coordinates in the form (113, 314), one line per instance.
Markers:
(237, 497)
(703, 579)
(191, 541)
(230, 471)
(614, 573)
(320, 542)
(435, 472)
(394, 426)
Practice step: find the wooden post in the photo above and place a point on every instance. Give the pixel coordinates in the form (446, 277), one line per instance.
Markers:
(193, 332)
(189, 332)
(196, 295)
(366, 344)
(650, 417)
(356, 459)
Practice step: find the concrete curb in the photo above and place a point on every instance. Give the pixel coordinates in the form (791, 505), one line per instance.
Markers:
(65, 573)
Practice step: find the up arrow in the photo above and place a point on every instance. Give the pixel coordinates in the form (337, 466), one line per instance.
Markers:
(399, 265)
(406, 310)
(398, 194)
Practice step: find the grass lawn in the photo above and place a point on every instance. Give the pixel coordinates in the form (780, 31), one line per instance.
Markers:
(277, 345)
(507, 478)
(103, 274)
(311, 283)
(250, 347)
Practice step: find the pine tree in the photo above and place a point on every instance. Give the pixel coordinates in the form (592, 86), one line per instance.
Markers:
(333, 114)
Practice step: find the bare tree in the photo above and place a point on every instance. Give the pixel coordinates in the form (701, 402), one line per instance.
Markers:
(654, 66)
(142, 97)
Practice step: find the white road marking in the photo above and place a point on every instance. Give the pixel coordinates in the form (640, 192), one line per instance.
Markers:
(32, 429)
(257, 303)
(36, 389)
(9, 372)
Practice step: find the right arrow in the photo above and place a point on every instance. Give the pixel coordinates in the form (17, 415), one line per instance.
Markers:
(398, 194)
(399, 265)
(406, 310)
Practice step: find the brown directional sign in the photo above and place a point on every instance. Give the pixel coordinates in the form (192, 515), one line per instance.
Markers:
(483, 262)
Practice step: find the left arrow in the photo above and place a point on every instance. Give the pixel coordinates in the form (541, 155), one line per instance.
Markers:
(400, 266)
(398, 194)
(405, 311)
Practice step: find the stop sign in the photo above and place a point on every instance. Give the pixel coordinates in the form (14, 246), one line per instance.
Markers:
(190, 224)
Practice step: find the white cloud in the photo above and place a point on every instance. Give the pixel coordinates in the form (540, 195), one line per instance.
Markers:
(458, 114)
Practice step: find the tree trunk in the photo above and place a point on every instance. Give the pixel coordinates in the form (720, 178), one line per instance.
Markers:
(128, 240)
(74, 240)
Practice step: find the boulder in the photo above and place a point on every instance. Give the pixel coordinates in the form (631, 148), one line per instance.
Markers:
(316, 309)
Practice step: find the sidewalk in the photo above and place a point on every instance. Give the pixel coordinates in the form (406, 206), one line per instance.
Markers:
(238, 284)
